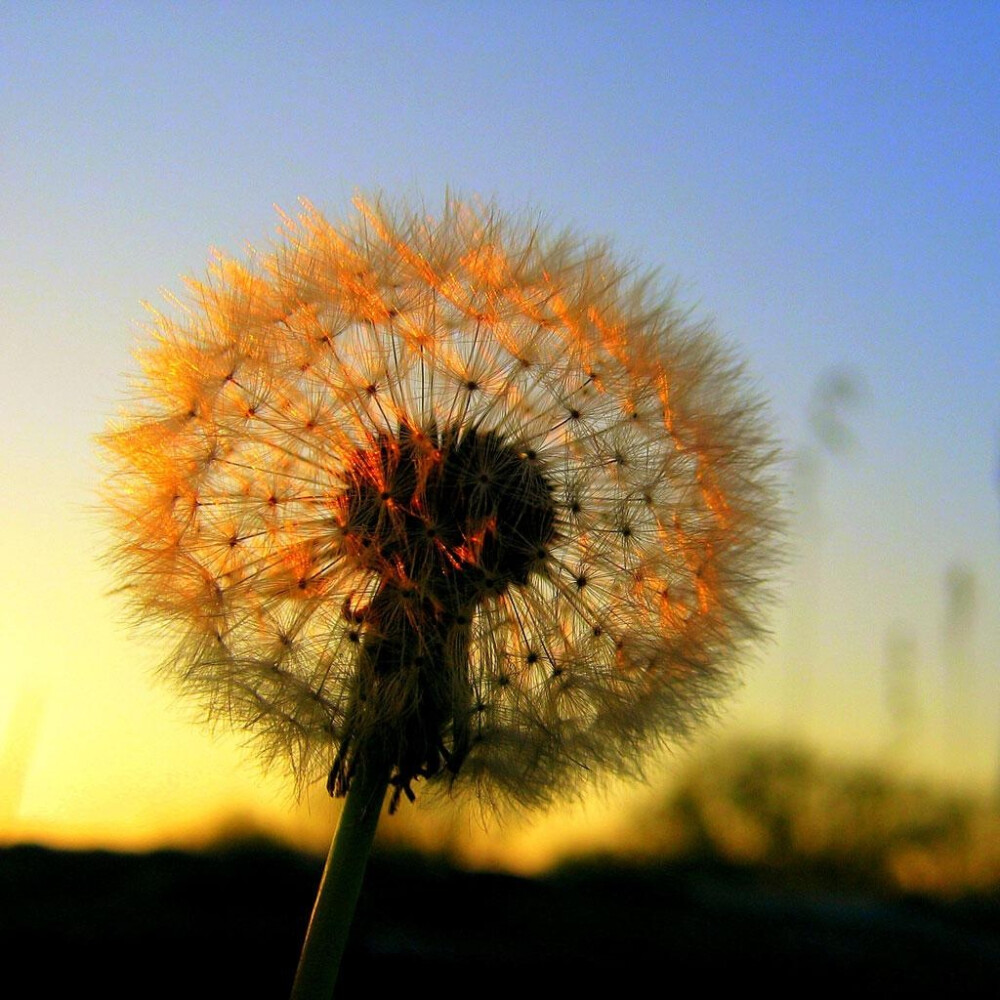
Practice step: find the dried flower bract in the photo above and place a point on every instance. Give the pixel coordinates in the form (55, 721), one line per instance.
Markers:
(453, 493)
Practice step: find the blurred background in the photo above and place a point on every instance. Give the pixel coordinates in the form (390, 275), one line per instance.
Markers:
(821, 181)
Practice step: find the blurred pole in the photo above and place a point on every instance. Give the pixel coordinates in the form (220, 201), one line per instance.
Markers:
(16, 754)
(961, 711)
(801, 643)
(901, 697)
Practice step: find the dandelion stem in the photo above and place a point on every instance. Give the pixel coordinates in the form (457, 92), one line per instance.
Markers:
(340, 886)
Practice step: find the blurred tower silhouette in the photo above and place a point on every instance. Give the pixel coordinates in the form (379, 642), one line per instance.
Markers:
(836, 394)
(838, 391)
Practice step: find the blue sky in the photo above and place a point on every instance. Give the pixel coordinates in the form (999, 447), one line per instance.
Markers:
(821, 180)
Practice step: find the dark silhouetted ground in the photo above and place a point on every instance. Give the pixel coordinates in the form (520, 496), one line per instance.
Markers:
(229, 924)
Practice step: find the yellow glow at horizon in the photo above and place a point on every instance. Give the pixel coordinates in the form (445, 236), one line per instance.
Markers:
(99, 754)
(94, 752)
(113, 759)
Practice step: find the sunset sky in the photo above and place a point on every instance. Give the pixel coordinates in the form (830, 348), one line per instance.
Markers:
(822, 181)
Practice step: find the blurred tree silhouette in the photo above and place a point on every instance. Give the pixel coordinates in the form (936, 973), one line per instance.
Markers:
(781, 807)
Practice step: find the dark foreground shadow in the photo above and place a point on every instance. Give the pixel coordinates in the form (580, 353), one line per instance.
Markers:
(229, 923)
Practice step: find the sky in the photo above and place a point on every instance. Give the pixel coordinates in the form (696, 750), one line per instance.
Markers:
(820, 181)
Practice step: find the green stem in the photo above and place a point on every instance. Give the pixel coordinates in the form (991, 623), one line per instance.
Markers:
(340, 886)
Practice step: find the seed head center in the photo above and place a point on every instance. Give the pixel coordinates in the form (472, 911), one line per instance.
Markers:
(460, 515)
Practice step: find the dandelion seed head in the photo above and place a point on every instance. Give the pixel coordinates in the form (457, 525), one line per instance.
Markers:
(455, 492)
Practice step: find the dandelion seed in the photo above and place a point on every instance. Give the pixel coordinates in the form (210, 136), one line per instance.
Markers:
(452, 494)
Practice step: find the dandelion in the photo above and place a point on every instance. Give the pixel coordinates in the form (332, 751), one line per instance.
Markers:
(450, 500)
